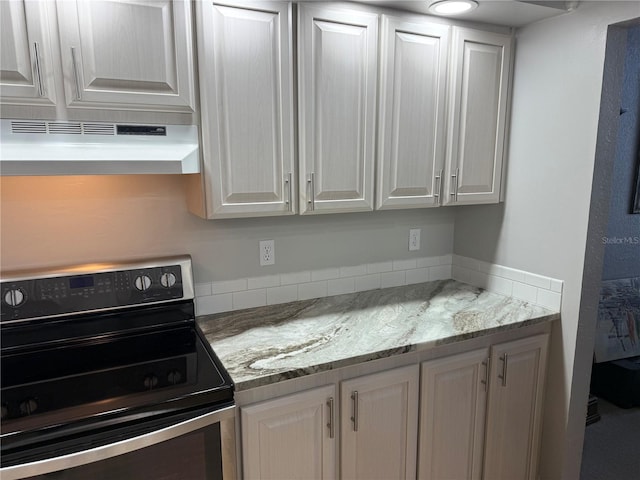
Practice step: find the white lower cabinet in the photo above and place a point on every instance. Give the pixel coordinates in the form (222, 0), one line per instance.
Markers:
(378, 430)
(467, 432)
(480, 416)
(291, 436)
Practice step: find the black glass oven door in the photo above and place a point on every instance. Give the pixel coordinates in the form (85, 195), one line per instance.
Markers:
(190, 450)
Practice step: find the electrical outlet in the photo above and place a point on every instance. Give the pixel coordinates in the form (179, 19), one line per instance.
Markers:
(267, 253)
(414, 239)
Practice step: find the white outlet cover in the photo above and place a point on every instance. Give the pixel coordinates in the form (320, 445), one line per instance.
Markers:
(267, 253)
(414, 239)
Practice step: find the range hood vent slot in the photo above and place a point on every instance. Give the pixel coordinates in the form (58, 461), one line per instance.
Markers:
(28, 127)
(65, 128)
(99, 129)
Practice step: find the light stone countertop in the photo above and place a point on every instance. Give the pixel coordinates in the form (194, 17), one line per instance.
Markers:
(265, 345)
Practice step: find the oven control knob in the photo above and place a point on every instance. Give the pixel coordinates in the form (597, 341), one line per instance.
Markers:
(150, 382)
(167, 280)
(14, 297)
(174, 377)
(142, 282)
(27, 407)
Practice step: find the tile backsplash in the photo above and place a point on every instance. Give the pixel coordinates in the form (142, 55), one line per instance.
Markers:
(230, 295)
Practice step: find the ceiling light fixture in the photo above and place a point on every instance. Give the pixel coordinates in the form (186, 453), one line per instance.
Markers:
(452, 7)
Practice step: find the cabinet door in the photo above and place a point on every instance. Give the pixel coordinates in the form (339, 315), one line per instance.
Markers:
(514, 411)
(379, 425)
(337, 100)
(452, 412)
(246, 78)
(411, 118)
(478, 106)
(26, 72)
(290, 437)
(127, 54)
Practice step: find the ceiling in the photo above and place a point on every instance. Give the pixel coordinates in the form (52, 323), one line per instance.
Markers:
(513, 13)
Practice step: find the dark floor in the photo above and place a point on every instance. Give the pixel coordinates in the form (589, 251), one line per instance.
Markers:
(612, 445)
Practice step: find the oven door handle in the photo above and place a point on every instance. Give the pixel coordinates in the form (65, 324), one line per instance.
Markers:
(104, 452)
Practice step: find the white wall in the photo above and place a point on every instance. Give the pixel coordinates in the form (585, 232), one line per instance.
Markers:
(48, 221)
(542, 226)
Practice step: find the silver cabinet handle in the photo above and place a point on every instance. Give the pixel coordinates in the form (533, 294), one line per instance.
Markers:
(38, 67)
(438, 187)
(504, 359)
(76, 73)
(287, 182)
(354, 418)
(311, 191)
(485, 381)
(330, 423)
(454, 184)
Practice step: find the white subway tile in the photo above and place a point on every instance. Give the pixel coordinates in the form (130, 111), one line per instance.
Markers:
(353, 271)
(537, 280)
(379, 267)
(425, 262)
(512, 274)
(341, 286)
(263, 282)
(392, 279)
(458, 273)
(556, 285)
(483, 267)
(500, 285)
(368, 282)
(249, 299)
(549, 299)
(214, 304)
(440, 272)
(417, 275)
(446, 259)
(202, 289)
(312, 290)
(295, 278)
(288, 293)
(228, 286)
(404, 264)
(325, 274)
(466, 262)
(525, 292)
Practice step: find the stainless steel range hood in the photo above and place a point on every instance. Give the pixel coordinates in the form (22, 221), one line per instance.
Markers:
(34, 147)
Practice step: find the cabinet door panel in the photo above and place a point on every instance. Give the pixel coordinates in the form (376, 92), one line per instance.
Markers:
(452, 414)
(135, 54)
(480, 90)
(338, 64)
(26, 74)
(288, 437)
(514, 412)
(383, 443)
(412, 106)
(246, 78)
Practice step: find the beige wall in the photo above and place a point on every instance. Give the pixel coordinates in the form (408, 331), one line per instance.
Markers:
(48, 221)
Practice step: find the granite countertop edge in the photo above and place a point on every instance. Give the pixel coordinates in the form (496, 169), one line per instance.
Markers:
(266, 345)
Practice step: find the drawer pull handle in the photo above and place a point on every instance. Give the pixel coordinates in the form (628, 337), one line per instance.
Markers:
(354, 418)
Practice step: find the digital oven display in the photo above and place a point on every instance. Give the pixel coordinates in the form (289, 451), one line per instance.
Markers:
(81, 282)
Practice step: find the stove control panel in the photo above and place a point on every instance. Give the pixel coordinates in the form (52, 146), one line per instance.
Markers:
(28, 298)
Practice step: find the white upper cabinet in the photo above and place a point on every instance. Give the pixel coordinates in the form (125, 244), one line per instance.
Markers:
(479, 88)
(411, 134)
(338, 53)
(26, 72)
(246, 78)
(127, 54)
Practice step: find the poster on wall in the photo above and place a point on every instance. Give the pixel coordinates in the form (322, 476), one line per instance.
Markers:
(618, 326)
